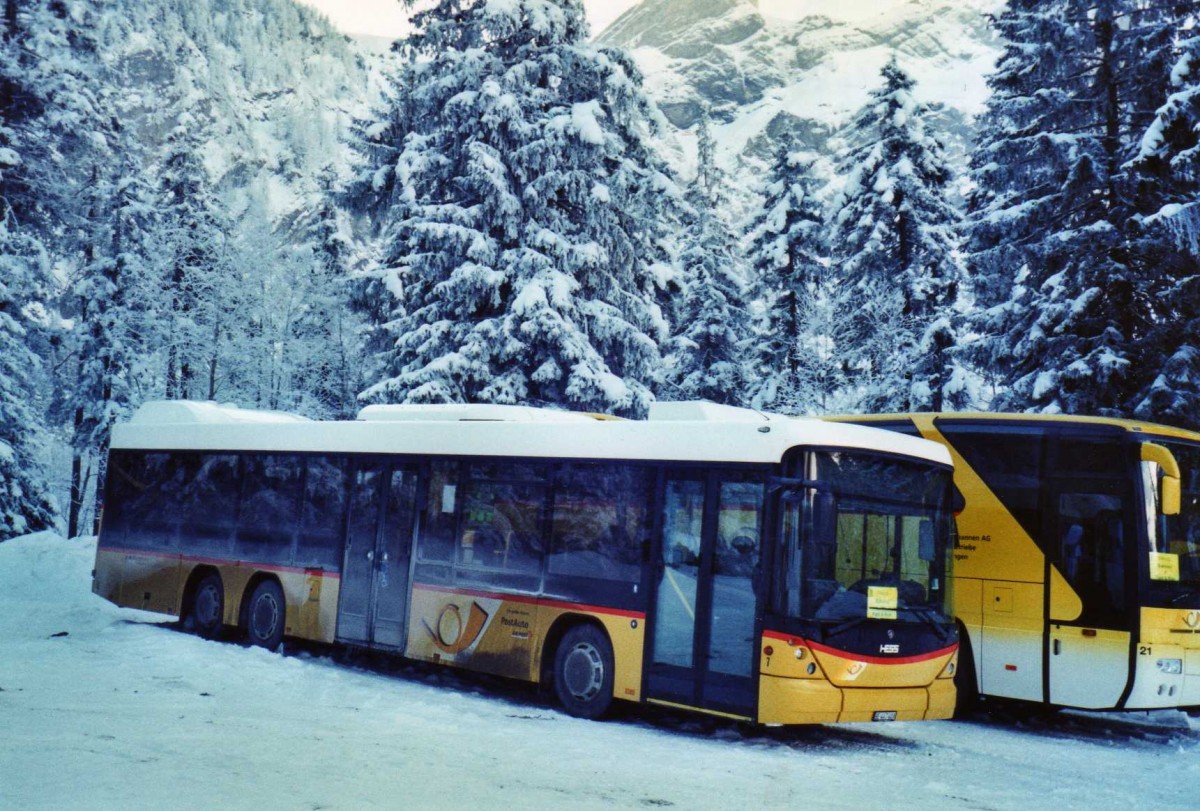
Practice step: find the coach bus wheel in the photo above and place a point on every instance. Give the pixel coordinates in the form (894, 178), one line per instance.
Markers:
(208, 606)
(583, 672)
(966, 681)
(265, 615)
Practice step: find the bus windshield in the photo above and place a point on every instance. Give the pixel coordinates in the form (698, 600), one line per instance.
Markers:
(866, 537)
(1174, 540)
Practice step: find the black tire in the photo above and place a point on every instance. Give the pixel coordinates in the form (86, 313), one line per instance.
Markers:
(207, 612)
(266, 615)
(966, 681)
(583, 672)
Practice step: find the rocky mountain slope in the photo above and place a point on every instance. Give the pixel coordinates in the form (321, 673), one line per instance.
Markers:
(766, 69)
(268, 85)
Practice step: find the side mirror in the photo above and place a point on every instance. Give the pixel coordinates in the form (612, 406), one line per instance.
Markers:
(958, 502)
(825, 519)
(1161, 456)
(1171, 497)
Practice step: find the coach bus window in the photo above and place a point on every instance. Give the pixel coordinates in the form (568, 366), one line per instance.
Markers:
(267, 512)
(1086, 485)
(1092, 549)
(1009, 460)
(599, 521)
(323, 511)
(502, 517)
(1175, 539)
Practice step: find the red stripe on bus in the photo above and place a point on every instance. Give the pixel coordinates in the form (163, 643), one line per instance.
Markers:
(792, 639)
(240, 564)
(538, 601)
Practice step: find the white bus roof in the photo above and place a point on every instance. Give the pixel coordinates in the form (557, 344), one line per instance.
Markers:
(686, 432)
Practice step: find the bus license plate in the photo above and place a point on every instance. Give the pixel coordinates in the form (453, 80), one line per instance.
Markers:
(884, 715)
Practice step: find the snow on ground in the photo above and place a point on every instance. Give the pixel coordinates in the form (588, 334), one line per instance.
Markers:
(103, 707)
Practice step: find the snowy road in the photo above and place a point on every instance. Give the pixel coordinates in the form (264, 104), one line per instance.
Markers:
(120, 712)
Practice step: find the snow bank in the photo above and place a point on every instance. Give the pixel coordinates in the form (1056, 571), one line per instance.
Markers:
(45, 581)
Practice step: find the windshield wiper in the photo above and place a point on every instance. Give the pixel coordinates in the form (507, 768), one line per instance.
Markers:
(924, 615)
(845, 626)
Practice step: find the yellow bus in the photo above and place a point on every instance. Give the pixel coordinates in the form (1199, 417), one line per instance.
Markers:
(709, 558)
(1077, 566)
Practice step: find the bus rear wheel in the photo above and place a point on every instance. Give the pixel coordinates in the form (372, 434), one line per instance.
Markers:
(265, 615)
(208, 606)
(583, 672)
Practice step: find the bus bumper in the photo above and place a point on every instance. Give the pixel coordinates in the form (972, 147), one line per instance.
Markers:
(816, 701)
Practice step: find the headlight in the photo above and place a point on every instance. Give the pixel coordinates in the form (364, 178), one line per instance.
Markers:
(1172, 667)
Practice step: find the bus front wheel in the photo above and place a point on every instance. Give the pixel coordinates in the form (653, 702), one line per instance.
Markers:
(583, 672)
(966, 679)
(265, 615)
(208, 606)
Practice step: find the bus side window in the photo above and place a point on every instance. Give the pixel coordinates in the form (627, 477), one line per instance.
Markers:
(208, 510)
(435, 543)
(1009, 459)
(1088, 522)
(502, 510)
(599, 521)
(134, 482)
(1091, 551)
(323, 511)
(152, 513)
(267, 513)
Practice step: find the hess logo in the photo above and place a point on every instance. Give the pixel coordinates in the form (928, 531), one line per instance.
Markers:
(451, 634)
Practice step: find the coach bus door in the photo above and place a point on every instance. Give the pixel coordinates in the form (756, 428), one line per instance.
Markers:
(702, 632)
(373, 601)
(1089, 530)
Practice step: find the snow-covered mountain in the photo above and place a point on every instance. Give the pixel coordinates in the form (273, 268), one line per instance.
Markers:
(766, 68)
(272, 84)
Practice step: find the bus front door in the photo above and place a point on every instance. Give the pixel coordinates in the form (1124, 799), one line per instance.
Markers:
(1088, 634)
(373, 602)
(702, 632)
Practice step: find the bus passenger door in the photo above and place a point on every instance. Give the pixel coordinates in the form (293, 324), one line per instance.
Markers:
(1088, 632)
(702, 629)
(373, 602)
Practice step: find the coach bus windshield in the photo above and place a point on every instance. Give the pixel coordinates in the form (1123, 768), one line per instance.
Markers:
(1174, 540)
(866, 537)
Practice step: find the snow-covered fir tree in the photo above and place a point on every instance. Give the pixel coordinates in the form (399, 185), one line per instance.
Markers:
(894, 241)
(26, 161)
(1166, 227)
(522, 214)
(1064, 296)
(104, 206)
(193, 247)
(331, 332)
(107, 300)
(707, 361)
(794, 369)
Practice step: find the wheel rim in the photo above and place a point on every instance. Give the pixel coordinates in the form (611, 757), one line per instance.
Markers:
(583, 671)
(264, 617)
(208, 606)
